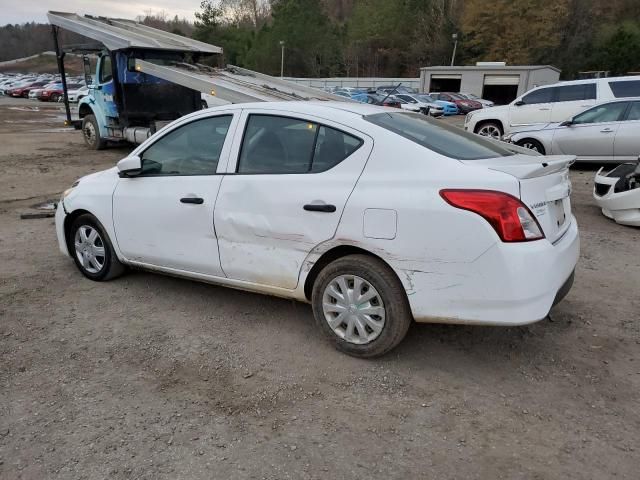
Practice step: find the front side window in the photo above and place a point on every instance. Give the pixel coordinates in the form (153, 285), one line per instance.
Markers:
(192, 149)
(440, 137)
(572, 93)
(282, 145)
(610, 112)
(105, 69)
(406, 98)
(622, 89)
(543, 95)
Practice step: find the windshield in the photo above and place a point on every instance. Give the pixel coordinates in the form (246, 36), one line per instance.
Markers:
(425, 98)
(440, 137)
(457, 96)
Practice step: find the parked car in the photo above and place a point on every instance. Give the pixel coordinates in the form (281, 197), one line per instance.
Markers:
(23, 89)
(609, 132)
(550, 103)
(33, 93)
(471, 96)
(464, 105)
(617, 193)
(382, 100)
(394, 89)
(421, 103)
(76, 94)
(376, 217)
(55, 92)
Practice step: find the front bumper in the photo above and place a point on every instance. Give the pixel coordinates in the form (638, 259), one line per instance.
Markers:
(510, 284)
(622, 207)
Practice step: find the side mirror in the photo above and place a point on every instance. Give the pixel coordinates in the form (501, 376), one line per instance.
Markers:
(567, 123)
(130, 166)
(519, 103)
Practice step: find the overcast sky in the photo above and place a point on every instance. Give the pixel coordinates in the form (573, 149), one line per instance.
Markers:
(20, 11)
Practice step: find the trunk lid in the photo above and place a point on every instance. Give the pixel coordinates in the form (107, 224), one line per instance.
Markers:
(545, 187)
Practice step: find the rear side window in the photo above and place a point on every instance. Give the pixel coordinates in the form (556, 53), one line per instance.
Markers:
(621, 89)
(572, 93)
(282, 145)
(543, 95)
(634, 111)
(440, 137)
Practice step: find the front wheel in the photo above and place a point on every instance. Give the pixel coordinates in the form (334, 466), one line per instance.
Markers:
(91, 133)
(490, 129)
(361, 306)
(54, 97)
(92, 250)
(531, 144)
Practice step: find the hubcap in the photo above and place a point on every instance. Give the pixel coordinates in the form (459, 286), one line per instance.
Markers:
(89, 132)
(490, 131)
(353, 308)
(89, 249)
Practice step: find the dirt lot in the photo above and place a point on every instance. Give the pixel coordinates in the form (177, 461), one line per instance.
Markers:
(156, 377)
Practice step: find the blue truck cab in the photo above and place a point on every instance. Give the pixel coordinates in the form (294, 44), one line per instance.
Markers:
(127, 105)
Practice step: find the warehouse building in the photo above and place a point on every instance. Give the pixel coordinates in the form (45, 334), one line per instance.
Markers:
(495, 81)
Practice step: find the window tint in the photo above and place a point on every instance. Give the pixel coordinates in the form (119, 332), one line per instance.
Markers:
(571, 93)
(610, 112)
(192, 149)
(623, 89)
(440, 137)
(105, 69)
(634, 111)
(544, 95)
(275, 145)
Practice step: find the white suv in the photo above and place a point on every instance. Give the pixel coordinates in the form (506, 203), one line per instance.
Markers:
(551, 103)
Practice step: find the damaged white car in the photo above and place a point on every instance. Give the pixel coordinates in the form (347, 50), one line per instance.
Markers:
(375, 216)
(617, 193)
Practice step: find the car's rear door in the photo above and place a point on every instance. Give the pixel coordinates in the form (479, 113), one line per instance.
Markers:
(591, 134)
(572, 99)
(289, 178)
(164, 216)
(626, 145)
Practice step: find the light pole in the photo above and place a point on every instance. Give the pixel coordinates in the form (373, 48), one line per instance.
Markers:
(282, 59)
(455, 46)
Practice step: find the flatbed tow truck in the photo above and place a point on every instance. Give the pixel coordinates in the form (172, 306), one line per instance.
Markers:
(145, 78)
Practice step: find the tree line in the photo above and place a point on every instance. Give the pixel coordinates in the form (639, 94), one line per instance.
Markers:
(391, 38)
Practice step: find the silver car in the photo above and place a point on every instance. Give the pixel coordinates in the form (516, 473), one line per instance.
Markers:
(608, 132)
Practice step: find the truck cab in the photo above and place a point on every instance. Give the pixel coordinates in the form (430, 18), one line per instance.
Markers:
(127, 105)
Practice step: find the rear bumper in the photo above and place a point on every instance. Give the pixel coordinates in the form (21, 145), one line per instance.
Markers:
(509, 284)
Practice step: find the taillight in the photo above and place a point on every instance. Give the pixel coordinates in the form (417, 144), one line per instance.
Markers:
(509, 217)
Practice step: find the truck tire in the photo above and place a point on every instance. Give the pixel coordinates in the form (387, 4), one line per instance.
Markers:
(361, 306)
(91, 133)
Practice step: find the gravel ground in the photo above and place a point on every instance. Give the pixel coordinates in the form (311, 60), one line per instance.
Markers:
(156, 377)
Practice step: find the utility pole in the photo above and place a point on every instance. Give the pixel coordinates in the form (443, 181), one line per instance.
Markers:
(282, 59)
(455, 46)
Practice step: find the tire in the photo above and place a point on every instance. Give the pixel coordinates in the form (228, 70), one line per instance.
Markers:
(392, 321)
(490, 129)
(531, 144)
(54, 97)
(93, 255)
(91, 133)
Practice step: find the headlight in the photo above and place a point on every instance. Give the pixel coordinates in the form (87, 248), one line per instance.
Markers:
(69, 190)
(507, 138)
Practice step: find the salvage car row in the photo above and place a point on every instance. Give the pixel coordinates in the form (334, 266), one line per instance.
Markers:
(44, 87)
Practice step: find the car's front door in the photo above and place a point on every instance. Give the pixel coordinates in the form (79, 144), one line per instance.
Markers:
(627, 143)
(289, 180)
(164, 216)
(533, 108)
(591, 133)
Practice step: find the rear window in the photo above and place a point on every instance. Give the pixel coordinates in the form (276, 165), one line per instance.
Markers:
(621, 89)
(442, 138)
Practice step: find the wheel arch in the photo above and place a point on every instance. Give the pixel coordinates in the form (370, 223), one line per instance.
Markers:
(332, 255)
(524, 139)
(84, 110)
(68, 222)
(484, 122)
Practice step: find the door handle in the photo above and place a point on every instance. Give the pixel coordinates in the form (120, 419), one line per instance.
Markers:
(544, 109)
(194, 200)
(607, 130)
(319, 207)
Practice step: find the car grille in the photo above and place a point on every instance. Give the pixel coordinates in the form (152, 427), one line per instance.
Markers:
(602, 189)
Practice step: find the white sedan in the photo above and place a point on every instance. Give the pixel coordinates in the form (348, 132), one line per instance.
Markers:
(375, 216)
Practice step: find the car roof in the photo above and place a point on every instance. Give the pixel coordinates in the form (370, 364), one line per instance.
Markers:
(336, 110)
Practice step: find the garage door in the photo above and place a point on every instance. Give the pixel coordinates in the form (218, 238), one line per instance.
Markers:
(502, 79)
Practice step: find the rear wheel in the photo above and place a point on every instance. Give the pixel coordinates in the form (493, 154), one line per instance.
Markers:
(91, 133)
(361, 306)
(92, 250)
(531, 144)
(489, 129)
